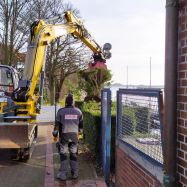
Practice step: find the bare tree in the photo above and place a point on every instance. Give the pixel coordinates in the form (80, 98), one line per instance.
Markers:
(65, 55)
(13, 28)
(16, 16)
(64, 58)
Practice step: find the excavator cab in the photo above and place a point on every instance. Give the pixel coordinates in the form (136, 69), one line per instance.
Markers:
(8, 83)
(8, 79)
(14, 136)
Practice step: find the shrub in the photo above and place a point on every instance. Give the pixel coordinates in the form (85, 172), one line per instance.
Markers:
(127, 129)
(92, 129)
(129, 118)
(91, 106)
(79, 104)
(92, 81)
(141, 115)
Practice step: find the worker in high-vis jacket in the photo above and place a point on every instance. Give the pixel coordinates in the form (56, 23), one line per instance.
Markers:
(69, 123)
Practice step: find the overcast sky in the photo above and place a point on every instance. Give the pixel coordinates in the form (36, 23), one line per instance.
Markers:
(136, 30)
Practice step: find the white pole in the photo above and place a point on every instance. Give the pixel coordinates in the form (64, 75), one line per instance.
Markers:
(150, 72)
(127, 76)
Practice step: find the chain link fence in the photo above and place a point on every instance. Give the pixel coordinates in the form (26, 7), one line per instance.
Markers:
(139, 121)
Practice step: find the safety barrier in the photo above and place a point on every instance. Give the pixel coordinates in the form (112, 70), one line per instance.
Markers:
(106, 132)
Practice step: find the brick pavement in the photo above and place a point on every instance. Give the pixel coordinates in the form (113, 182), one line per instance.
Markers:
(87, 177)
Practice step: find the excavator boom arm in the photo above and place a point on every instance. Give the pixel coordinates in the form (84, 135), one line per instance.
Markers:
(82, 33)
(42, 34)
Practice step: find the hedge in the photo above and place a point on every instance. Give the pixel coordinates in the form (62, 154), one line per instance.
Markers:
(142, 119)
(92, 130)
(129, 117)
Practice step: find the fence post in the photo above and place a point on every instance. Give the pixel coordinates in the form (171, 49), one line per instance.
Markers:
(102, 130)
(108, 136)
(118, 112)
(106, 132)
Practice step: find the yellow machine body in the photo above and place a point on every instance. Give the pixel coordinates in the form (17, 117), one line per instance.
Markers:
(18, 133)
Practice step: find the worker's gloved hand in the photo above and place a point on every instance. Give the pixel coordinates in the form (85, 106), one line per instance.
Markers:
(55, 135)
(80, 135)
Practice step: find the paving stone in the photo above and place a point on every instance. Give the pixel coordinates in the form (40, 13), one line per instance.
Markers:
(39, 173)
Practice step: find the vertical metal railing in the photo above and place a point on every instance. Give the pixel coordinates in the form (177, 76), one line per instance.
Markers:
(106, 132)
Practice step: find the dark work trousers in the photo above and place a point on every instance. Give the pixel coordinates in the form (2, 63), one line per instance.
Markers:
(68, 147)
(65, 147)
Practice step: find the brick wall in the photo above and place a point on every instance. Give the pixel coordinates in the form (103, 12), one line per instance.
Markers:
(131, 174)
(182, 97)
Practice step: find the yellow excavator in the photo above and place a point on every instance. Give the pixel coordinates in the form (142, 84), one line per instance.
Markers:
(19, 101)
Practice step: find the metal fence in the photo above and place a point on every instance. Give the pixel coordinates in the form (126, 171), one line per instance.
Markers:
(139, 122)
(105, 132)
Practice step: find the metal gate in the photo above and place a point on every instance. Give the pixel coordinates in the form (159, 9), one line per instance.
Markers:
(140, 129)
(105, 132)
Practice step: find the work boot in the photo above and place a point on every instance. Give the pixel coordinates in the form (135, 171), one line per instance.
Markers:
(74, 169)
(63, 171)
